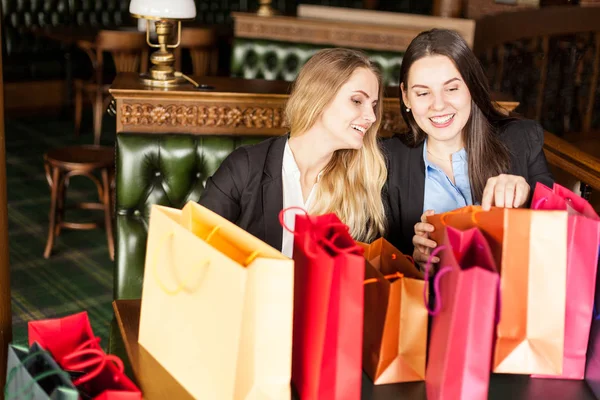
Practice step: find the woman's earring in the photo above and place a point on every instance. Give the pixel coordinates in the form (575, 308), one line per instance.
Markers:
(407, 109)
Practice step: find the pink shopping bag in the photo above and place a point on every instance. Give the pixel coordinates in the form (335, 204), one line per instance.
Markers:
(464, 318)
(583, 237)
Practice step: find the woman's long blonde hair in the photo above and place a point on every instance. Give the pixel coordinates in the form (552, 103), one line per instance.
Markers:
(352, 181)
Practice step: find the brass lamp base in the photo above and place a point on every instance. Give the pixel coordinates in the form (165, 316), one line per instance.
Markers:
(148, 80)
(162, 73)
(265, 9)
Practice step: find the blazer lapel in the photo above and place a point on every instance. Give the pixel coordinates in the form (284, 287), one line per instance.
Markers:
(272, 193)
(415, 195)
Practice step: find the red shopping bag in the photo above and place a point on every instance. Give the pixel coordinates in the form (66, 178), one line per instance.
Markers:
(464, 317)
(583, 237)
(73, 345)
(328, 309)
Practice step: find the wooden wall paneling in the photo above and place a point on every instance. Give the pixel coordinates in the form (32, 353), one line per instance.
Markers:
(448, 8)
(589, 108)
(313, 19)
(18, 98)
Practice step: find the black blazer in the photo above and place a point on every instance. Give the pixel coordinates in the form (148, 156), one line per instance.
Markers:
(247, 189)
(404, 196)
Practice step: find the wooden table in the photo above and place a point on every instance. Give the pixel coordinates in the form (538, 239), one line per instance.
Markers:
(153, 380)
(156, 383)
(228, 106)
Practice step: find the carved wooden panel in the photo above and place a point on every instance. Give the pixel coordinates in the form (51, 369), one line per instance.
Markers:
(215, 118)
(174, 115)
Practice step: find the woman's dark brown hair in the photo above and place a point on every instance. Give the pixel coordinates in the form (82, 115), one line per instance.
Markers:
(487, 155)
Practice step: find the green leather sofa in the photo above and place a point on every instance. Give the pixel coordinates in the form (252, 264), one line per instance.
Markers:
(274, 60)
(160, 169)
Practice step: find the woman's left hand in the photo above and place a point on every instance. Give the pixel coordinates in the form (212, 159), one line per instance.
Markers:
(505, 191)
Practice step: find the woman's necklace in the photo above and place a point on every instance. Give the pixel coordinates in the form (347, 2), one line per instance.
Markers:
(439, 158)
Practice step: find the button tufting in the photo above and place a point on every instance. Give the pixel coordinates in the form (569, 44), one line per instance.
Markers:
(198, 175)
(157, 173)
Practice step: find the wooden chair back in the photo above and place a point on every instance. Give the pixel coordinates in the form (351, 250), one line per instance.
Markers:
(128, 50)
(202, 46)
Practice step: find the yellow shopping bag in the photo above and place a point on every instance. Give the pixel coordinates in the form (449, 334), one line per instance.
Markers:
(217, 306)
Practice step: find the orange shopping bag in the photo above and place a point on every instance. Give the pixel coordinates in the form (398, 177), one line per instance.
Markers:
(395, 318)
(531, 249)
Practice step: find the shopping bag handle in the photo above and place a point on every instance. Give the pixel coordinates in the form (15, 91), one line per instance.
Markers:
(388, 277)
(539, 202)
(248, 259)
(455, 212)
(436, 282)
(90, 347)
(328, 242)
(34, 379)
(180, 285)
(102, 358)
(436, 287)
(544, 199)
(331, 242)
(396, 274)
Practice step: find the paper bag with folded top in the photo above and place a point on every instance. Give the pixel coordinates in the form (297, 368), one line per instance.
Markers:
(530, 248)
(395, 318)
(465, 312)
(33, 374)
(328, 309)
(217, 306)
(73, 344)
(582, 263)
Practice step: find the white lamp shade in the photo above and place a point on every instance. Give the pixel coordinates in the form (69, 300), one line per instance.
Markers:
(167, 9)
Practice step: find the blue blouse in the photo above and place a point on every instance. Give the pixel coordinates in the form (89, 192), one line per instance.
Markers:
(441, 195)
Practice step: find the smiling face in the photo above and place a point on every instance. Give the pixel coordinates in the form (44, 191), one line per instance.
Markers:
(346, 120)
(439, 99)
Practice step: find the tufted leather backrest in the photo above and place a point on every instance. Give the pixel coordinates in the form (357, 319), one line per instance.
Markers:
(160, 169)
(100, 13)
(21, 15)
(271, 60)
(27, 56)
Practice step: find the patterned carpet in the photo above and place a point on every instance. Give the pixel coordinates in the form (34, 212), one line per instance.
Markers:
(79, 274)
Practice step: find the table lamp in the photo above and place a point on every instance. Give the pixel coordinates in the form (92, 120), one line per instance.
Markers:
(265, 9)
(167, 15)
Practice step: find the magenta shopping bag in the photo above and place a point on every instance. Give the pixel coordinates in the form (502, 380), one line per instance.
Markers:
(464, 318)
(583, 237)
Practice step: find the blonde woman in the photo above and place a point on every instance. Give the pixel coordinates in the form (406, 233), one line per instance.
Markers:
(329, 161)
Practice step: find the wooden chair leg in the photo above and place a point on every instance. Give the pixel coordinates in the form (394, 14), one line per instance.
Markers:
(53, 202)
(98, 111)
(78, 109)
(60, 209)
(106, 200)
